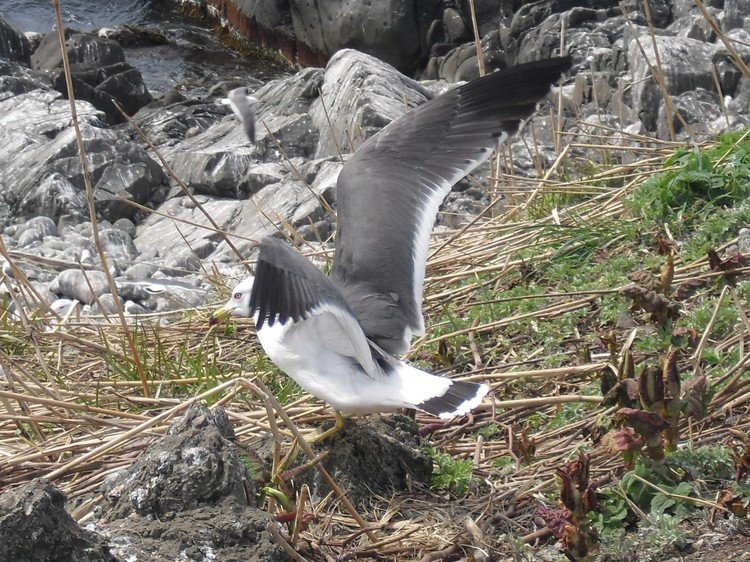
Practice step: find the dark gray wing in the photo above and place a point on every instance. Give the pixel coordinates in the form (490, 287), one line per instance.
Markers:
(389, 192)
(288, 287)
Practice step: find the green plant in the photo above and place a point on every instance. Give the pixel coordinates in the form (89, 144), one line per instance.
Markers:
(449, 473)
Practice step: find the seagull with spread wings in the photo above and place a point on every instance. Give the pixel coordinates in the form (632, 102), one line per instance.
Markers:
(340, 336)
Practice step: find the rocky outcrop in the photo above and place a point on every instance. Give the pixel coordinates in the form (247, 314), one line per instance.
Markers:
(309, 33)
(189, 493)
(99, 71)
(13, 44)
(34, 527)
(361, 95)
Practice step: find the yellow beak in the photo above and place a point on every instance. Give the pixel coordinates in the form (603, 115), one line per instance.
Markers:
(220, 315)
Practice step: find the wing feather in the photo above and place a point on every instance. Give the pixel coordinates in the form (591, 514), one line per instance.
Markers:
(389, 192)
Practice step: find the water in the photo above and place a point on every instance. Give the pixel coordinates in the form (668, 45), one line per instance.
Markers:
(39, 16)
(194, 60)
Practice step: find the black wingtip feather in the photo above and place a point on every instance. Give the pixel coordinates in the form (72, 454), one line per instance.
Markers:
(454, 400)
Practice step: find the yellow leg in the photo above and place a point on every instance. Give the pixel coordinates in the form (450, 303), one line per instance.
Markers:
(291, 456)
(337, 426)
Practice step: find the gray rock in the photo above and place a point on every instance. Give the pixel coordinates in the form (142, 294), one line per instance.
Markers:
(454, 28)
(125, 225)
(193, 465)
(186, 495)
(391, 443)
(289, 95)
(13, 44)
(175, 122)
(117, 244)
(394, 31)
(99, 70)
(84, 287)
(85, 51)
(360, 96)
(683, 62)
(36, 230)
(694, 26)
(288, 136)
(40, 171)
(736, 15)
(34, 527)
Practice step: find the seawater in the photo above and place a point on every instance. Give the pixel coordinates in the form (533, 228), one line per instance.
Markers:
(39, 16)
(193, 61)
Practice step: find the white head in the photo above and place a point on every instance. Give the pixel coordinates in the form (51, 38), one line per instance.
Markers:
(238, 304)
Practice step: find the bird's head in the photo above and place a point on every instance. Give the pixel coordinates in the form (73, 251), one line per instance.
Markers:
(238, 304)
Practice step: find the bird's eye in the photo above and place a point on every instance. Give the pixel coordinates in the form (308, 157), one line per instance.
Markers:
(238, 296)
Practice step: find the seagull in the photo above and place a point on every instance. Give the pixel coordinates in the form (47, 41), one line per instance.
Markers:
(340, 336)
(239, 101)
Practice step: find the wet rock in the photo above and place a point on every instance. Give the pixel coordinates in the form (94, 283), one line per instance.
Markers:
(99, 71)
(360, 95)
(295, 134)
(40, 171)
(170, 124)
(13, 44)
(34, 527)
(289, 95)
(194, 465)
(392, 444)
(394, 31)
(84, 287)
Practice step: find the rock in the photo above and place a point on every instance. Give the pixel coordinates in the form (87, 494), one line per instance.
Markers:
(85, 52)
(194, 465)
(186, 498)
(99, 70)
(360, 96)
(295, 134)
(85, 288)
(683, 62)
(117, 244)
(394, 31)
(173, 123)
(289, 95)
(125, 225)
(698, 108)
(40, 172)
(13, 44)
(391, 443)
(34, 527)
(227, 531)
(36, 230)
(454, 28)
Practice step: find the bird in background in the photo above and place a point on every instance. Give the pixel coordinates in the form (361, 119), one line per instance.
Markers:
(340, 336)
(240, 102)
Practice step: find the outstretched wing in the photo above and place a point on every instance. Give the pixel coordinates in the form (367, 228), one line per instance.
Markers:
(389, 192)
(288, 288)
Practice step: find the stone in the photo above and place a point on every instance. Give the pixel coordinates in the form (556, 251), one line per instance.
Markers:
(360, 96)
(117, 244)
(189, 496)
(698, 109)
(194, 465)
(394, 31)
(391, 443)
(36, 230)
(40, 172)
(99, 71)
(454, 28)
(683, 62)
(34, 527)
(84, 287)
(13, 44)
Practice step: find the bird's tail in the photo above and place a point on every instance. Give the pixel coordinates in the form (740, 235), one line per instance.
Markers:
(439, 396)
